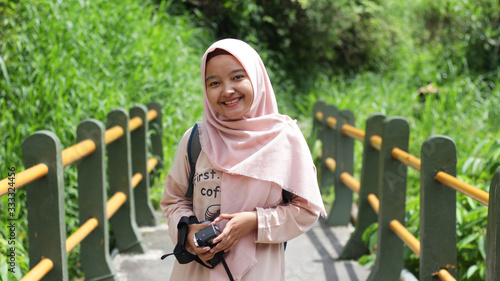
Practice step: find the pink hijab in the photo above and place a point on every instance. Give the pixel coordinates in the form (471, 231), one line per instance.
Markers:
(264, 145)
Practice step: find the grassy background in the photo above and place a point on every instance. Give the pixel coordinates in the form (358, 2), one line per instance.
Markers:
(472, 123)
(64, 61)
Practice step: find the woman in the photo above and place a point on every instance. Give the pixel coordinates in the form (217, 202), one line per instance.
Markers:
(250, 154)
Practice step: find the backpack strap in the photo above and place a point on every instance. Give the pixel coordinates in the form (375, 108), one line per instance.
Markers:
(193, 150)
(287, 196)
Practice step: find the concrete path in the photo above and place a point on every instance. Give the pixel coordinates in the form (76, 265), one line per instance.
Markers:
(148, 266)
(311, 256)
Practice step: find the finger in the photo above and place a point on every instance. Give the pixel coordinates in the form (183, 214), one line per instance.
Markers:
(229, 244)
(201, 251)
(225, 245)
(206, 258)
(224, 217)
(230, 247)
(217, 248)
(219, 238)
(205, 261)
(204, 225)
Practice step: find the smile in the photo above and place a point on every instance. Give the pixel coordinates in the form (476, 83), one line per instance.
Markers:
(232, 101)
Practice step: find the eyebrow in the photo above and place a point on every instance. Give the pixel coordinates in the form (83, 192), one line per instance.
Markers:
(232, 72)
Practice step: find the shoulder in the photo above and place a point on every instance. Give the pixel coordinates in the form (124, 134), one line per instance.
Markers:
(185, 141)
(185, 138)
(187, 133)
(181, 158)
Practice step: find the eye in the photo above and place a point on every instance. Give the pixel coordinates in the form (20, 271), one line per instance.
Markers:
(237, 77)
(214, 83)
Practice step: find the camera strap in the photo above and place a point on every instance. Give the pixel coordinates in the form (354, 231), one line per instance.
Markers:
(183, 256)
(227, 269)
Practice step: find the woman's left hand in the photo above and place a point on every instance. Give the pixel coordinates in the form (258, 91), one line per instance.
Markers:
(239, 225)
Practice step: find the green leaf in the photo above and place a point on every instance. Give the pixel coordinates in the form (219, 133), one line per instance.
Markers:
(466, 241)
(481, 243)
(471, 271)
(4, 72)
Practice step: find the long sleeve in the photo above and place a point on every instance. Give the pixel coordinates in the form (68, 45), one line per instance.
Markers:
(174, 202)
(285, 222)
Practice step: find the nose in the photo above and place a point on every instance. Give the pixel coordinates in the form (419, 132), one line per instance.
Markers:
(228, 89)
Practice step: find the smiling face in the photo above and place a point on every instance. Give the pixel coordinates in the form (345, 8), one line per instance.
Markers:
(229, 90)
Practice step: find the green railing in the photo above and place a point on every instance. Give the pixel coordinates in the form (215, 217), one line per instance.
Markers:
(125, 145)
(382, 194)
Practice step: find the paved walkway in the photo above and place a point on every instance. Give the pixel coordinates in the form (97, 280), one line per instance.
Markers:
(311, 256)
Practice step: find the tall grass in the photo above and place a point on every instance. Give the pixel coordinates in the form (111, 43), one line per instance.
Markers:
(65, 61)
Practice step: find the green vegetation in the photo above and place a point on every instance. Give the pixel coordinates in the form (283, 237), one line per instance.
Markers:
(468, 122)
(64, 61)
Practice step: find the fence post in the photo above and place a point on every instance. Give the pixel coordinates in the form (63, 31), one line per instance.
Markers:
(94, 250)
(157, 136)
(327, 148)
(344, 157)
(126, 233)
(438, 235)
(318, 126)
(45, 202)
(493, 231)
(355, 246)
(392, 193)
(143, 208)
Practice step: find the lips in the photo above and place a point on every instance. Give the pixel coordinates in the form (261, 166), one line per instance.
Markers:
(232, 102)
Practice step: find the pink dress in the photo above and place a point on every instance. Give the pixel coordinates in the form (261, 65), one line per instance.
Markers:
(277, 223)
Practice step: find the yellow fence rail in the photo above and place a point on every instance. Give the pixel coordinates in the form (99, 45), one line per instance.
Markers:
(394, 131)
(71, 154)
(44, 178)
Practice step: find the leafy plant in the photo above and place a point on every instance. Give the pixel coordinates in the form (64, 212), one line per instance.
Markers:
(467, 31)
(63, 62)
(370, 239)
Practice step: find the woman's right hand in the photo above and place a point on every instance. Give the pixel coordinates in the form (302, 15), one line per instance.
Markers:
(204, 252)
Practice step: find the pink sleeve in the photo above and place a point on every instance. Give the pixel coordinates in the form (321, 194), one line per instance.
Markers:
(174, 202)
(285, 222)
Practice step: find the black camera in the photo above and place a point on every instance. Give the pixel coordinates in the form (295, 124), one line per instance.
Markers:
(204, 237)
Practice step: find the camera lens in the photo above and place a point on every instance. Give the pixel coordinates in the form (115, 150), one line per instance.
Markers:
(206, 236)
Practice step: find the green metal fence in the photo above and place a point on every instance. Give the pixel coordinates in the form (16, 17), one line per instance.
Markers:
(382, 194)
(125, 146)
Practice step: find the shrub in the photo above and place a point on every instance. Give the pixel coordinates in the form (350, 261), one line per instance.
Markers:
(469, 31)
(302, 37)
(66, 61)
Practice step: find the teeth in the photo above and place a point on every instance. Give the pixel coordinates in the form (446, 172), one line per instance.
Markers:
(231, 102)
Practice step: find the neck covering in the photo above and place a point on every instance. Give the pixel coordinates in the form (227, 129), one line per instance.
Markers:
(263, 145)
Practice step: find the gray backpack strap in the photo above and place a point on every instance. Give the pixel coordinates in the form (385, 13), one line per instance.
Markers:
(193, 150)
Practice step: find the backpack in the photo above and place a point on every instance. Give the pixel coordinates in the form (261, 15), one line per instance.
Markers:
(194, 149)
